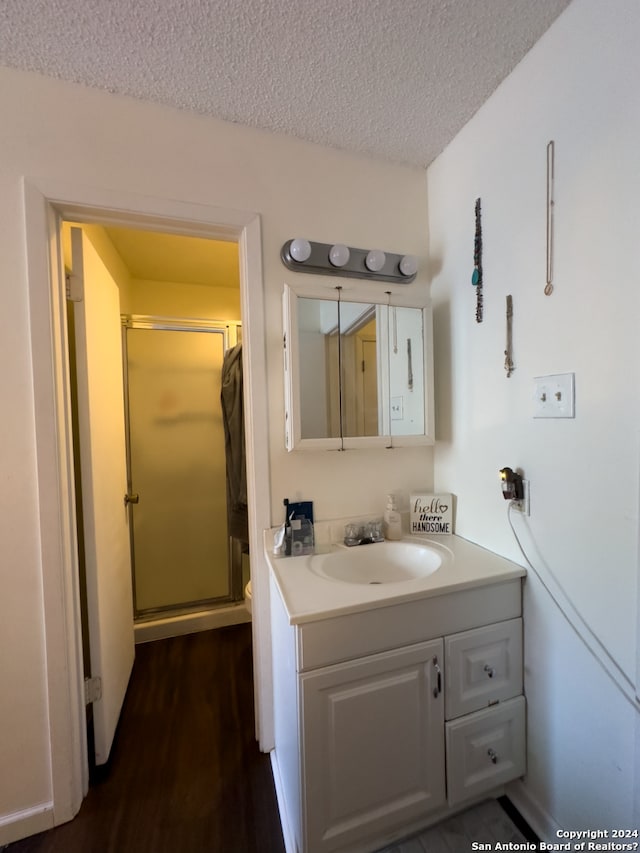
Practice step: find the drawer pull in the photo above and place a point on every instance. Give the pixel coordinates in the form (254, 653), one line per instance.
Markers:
(437, 690)
(489, 670)
(492, 755)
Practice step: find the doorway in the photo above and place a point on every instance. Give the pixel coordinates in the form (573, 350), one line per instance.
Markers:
(175, 476)
(46, 203)
(185, 292)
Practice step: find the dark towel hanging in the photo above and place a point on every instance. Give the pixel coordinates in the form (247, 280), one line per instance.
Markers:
(231, 399)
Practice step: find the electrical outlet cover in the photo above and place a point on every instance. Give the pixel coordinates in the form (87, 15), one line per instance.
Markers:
(523, 506)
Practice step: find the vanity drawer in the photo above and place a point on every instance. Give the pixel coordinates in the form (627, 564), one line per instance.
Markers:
(482, 667)
(485, 750)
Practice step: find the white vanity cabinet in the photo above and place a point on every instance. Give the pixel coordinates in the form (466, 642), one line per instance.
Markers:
(387, 717)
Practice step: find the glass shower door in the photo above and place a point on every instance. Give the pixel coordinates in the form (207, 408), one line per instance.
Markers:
(177, 468)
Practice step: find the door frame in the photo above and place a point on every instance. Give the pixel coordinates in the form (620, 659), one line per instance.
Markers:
(46, 204)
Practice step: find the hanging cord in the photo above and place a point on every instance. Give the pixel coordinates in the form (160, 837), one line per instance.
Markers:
(339, 289)
(630, 699)
(395, 329)
(391, 317)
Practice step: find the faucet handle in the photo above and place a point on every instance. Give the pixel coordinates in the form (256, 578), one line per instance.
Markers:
(352, 534)
(373, 531)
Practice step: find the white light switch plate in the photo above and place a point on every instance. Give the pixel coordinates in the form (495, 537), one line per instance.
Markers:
(553, 396)
(397, 408)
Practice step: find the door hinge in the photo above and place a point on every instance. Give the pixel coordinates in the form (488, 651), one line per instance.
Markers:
(74, 288)
(92, 690)
(75, 279)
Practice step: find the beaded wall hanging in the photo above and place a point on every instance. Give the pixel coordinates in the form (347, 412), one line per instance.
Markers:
(476, 277)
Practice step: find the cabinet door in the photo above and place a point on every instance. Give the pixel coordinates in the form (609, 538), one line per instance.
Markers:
(483, 667)
(373, 745)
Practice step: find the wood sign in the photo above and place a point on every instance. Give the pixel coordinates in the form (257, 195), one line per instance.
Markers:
(431, 514)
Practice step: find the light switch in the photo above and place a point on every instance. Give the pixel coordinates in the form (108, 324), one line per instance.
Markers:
(553, 396)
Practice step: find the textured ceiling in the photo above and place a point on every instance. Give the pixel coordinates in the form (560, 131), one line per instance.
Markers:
(390, 78)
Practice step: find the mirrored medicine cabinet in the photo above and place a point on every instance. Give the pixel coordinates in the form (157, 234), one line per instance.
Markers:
(358, 373)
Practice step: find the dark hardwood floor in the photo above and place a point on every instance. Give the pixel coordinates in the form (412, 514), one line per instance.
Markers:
(186, 774)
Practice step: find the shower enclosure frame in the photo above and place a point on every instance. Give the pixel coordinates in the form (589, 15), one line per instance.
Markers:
(231, 331)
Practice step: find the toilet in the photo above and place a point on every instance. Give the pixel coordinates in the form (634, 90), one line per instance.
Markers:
(247, 596)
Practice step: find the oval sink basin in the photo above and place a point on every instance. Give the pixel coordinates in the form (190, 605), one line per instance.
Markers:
(382, 562)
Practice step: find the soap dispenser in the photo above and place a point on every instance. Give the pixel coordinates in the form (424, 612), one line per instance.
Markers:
(392, 520)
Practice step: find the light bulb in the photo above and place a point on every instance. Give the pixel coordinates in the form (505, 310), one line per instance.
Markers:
(375, 260)
(300, 250)
(409, 265)
(339, 255)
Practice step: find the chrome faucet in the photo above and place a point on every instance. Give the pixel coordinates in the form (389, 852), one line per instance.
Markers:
(363, 534)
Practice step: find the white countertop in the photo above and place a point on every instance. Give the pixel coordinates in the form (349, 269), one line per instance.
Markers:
(308, 597)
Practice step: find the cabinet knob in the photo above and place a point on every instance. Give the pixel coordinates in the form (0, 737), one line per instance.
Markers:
(492, 755)
(489, 670)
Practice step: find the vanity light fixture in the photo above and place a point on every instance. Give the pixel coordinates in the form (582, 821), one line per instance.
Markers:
(336, 259)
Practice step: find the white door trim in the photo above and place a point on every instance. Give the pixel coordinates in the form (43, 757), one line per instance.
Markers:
(45, 204)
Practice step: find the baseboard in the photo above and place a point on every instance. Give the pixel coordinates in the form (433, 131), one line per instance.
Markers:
(544, 826)
(21, 824)
(290, 845)
(190, 623)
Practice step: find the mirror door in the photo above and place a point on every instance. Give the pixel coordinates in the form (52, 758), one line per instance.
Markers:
(358, 373)
(318, 368)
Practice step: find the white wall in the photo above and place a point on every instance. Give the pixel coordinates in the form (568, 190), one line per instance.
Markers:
(577, 87)
(65, 133)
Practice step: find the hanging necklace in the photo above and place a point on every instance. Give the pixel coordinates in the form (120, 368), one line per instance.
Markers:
(476, 277)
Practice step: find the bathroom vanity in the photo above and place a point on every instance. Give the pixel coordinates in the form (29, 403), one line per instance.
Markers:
(394, 702)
